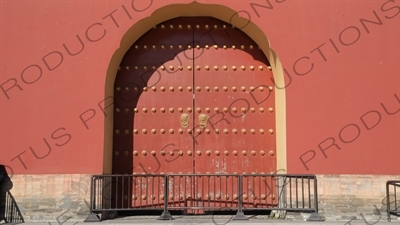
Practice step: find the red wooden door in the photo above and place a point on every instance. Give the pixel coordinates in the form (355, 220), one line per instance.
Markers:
(153, 113)
(234, 119)
(153, 94)
(233, 93)
(193, 95)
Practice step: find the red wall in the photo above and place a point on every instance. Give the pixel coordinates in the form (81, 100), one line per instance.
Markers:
(355, 69)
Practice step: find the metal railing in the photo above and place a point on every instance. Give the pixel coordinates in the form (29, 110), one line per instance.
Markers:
(11, 211)
(202, 191)
(196, 193)
(393, 198)
(290, 192)
(127, 192)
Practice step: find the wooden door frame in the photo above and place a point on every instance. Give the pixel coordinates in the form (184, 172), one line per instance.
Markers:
(196, 9)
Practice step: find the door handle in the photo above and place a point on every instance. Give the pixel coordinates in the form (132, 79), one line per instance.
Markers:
(184, 120)
(203, 120)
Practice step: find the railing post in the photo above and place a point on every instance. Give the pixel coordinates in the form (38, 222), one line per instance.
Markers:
(388, 201)
(92, 216)
(165, 215)
(281, 188)
(240, 215)
(315, 216)
(11, 212)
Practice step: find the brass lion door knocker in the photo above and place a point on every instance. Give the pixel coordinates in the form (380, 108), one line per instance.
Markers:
(184, 120)
(203, 120)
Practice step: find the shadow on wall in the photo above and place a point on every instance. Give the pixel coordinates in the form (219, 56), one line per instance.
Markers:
(9, 211)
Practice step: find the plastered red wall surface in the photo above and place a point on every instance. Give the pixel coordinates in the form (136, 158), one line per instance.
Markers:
(341, 61)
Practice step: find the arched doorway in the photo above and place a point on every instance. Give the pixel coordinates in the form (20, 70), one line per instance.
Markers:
(194, 95)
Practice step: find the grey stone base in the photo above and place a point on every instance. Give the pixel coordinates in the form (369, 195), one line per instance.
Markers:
(64, 198)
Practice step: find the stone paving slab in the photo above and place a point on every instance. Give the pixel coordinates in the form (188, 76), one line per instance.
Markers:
(211, 220)
(149, 222)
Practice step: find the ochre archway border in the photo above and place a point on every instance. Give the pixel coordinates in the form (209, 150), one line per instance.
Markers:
(196, 9)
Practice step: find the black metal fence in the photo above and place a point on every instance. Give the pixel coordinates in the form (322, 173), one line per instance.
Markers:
(289, 192)
(197, 193)
(202, 191)
(9, 209)
(393, 198)
(126, 192)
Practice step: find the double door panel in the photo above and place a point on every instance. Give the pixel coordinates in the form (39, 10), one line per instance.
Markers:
(193, 95)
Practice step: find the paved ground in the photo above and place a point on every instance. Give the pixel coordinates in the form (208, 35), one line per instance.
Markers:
(213, 220)
(181, 222)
